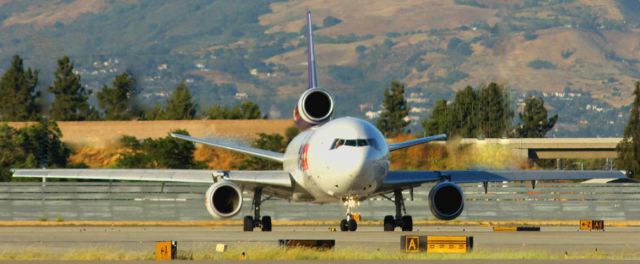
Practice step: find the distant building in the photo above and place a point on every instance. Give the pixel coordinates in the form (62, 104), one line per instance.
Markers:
(241, 96)
(372, 114)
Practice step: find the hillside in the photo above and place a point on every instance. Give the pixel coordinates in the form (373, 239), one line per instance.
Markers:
(557, 49)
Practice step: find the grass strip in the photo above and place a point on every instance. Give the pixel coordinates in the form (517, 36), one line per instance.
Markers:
(207, 252)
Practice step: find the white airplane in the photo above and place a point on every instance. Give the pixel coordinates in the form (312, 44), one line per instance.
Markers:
(332, 160)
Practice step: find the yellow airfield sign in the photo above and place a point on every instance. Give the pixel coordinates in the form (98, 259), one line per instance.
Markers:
(436, 244)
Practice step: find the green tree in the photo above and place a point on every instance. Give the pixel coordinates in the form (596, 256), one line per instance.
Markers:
(180, 105)
(71, 97)
(629, 148)
(154, 113)
(244, 110)
(534, 121)
(247, 110)
(39, 145)
(118, 102)
(136, 157)
(274, 142)
(44, 142)
(167, 152)
(464, 113)
(494, 112)
(394, 111)
(219, 112)
(440, 121)
(19, 98)
(290, 133)
(11, 152)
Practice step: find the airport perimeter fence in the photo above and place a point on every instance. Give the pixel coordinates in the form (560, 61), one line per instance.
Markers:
(66, 201)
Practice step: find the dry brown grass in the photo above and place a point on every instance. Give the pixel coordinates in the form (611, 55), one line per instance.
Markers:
(373, 17)
(219, 159)
(101, 134)
(39, 14)
(604, 8)
(205, 251)
(453, 155)
(506, 63)
(110, 252)
(585, 69)
(96, 143)
(96, 157)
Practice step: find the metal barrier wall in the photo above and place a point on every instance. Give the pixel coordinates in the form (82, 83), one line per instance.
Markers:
(171, 201)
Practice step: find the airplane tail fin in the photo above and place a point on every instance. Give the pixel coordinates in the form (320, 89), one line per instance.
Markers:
(315, 105)
(311, 54)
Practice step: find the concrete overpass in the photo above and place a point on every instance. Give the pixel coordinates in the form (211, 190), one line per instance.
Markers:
(556, 148)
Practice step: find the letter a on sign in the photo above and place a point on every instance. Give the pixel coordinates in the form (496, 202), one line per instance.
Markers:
(411, 244)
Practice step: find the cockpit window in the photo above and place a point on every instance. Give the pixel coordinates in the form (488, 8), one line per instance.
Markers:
(354, 143)
(337, 143)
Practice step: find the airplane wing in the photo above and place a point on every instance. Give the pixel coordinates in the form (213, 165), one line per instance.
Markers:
(416, 141)
(407, 179)
(248, 179)
(261, 153)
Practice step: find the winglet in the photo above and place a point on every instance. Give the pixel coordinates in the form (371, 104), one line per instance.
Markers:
(311, 54)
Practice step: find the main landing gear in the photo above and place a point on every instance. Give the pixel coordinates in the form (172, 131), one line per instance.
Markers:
(405, 222)
(251, 222)
(349, 224)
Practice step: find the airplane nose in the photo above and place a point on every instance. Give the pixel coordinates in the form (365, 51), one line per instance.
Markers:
(351, 168)
(354, 164)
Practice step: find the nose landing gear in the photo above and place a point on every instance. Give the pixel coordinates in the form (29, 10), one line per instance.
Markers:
(403, 221)
(350, 223)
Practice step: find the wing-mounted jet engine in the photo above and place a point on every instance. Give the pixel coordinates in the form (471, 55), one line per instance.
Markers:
(446, 200)
(223, 199)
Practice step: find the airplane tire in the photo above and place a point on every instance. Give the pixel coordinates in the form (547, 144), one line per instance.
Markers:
(266, 223)
(344, 225)
(389, 223)
(353, 225)
(248, 224)
(407, 223)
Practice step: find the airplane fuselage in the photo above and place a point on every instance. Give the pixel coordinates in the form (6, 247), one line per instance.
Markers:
(345, 158)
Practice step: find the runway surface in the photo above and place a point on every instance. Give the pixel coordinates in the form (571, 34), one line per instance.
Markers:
(550, 238)
(554, 240)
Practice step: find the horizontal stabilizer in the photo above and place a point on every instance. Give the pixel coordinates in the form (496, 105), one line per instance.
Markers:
(416, 141)
(260, 153)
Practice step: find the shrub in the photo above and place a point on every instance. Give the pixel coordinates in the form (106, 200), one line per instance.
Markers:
(541, 64)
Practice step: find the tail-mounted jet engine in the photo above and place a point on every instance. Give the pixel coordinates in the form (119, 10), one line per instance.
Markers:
(314, 107)
(446, 200)
(223, 199)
